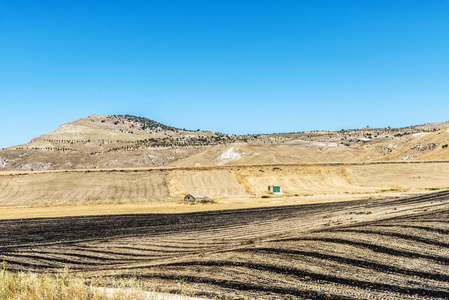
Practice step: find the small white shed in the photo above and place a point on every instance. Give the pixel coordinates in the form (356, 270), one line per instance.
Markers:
(276, 189)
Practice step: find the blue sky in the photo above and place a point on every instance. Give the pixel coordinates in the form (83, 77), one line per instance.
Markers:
(229, 66)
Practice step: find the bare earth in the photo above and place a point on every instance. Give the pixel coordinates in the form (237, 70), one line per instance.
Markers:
(388, 248)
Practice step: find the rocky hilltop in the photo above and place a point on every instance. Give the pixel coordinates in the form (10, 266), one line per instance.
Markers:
(125, 141)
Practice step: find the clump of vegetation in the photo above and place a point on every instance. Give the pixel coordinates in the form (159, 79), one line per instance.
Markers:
(147, 123)
(265, 196)
(61, 285)
(433, 189)
(444, 146)
(389, 190)
(207, 201)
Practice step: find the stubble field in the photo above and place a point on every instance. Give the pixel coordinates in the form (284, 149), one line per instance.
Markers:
(86, 187)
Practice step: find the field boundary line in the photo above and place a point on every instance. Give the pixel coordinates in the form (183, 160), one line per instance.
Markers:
(225, 167)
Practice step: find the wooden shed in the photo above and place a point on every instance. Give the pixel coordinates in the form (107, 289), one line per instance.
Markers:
(195, 198)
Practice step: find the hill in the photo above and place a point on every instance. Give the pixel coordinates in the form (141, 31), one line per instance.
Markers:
(127, 141)
(105, 142)
(425, 142)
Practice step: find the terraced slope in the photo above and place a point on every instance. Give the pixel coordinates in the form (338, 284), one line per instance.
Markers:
(366, 249)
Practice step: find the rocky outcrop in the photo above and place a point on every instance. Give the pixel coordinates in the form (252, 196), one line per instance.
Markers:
(383, 150)
(427, 147)
(7, 164)
(36, 166)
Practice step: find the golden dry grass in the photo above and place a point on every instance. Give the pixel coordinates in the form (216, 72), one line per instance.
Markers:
(401, 176)
(303, 180)
(82, 187)
(215, 183)
(63, 285)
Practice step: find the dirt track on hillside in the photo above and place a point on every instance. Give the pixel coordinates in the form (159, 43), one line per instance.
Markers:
(365, 249)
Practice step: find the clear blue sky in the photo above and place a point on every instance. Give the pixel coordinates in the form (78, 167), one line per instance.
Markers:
(230, 66)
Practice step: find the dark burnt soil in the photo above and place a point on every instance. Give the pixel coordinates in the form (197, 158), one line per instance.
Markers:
(68, 229)
(365, 249)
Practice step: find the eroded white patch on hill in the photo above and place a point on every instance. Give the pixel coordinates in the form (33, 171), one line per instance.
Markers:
(228, 156)
(421, 133)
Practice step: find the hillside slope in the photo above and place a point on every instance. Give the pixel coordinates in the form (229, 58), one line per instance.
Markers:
(418, 146)
(125, 141)
(104, 142)
(248, 154)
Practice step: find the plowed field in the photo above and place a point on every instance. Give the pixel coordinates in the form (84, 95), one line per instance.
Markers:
(395, 248)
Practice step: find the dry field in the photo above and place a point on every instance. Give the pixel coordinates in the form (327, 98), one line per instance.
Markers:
(216, 183)
(219, 182)
(391, 248)
(402, 176)
(60, 187)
